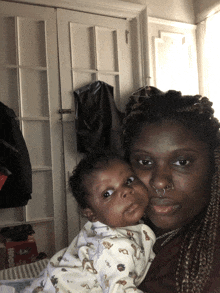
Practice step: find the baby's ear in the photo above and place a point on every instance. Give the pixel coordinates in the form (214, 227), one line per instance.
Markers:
(89, 214)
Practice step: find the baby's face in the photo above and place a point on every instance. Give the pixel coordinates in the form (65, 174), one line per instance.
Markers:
(116, 197)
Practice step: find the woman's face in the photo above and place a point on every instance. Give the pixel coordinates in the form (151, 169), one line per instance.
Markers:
(168, 154)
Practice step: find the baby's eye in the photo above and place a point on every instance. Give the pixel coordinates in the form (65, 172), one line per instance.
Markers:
(182, 162)
(130, 180)
(108, 193)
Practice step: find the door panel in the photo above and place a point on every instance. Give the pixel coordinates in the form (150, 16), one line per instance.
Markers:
(30, 86)
(91, 47)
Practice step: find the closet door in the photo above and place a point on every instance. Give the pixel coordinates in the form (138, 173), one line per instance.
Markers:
(30, 86)
(92, 47)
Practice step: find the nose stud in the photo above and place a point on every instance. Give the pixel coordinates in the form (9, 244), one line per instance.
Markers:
(161, 192)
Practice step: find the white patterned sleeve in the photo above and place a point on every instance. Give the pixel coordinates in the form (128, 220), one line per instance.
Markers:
(44, 283)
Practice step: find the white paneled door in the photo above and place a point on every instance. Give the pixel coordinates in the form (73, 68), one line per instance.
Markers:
(92, 47)
(30, 86)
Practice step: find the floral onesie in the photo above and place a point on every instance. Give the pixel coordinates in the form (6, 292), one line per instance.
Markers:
(100, 259)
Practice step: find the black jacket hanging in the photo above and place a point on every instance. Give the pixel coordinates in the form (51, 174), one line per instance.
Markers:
(98, 121)
(14, 162)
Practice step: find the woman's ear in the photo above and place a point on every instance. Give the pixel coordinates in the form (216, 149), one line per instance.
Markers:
(89, 214)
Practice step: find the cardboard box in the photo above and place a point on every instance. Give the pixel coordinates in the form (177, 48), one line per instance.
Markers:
(20, 252)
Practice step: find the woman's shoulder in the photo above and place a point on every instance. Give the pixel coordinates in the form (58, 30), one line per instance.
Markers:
(161, 277)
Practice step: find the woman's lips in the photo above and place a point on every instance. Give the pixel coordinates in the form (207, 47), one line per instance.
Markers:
(164, 210)
(163, 206)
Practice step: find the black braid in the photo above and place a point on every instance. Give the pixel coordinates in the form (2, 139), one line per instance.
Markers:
(149, 105)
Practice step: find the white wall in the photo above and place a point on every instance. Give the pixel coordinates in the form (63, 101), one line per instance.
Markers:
(176, 10)
(203, 8)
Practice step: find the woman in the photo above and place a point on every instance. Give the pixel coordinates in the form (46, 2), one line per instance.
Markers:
(172, 142)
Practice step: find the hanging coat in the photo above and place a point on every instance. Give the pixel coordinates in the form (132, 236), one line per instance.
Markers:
(14, 162)
(98, 121)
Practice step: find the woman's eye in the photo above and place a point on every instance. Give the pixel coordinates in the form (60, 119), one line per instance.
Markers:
(130, 180)
(145, 162)
(108, 193)
(182, 162)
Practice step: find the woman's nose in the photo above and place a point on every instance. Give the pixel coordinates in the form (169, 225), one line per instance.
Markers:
(161, 178)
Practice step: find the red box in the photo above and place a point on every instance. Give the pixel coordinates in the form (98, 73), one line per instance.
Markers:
(3, 178)
(20, 252)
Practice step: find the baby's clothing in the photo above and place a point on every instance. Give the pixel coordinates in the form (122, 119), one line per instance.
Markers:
(100, 259)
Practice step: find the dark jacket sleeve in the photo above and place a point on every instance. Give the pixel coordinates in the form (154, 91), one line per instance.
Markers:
(14, 159)
(98, 121)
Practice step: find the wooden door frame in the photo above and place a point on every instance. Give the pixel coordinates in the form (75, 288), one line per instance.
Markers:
(104, 7)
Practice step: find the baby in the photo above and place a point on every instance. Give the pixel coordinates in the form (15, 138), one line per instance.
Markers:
(113, 251)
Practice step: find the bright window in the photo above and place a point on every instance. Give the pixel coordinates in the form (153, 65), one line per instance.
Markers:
(210, 60)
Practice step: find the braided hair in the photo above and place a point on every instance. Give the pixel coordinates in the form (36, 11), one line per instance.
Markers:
(149, 105)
